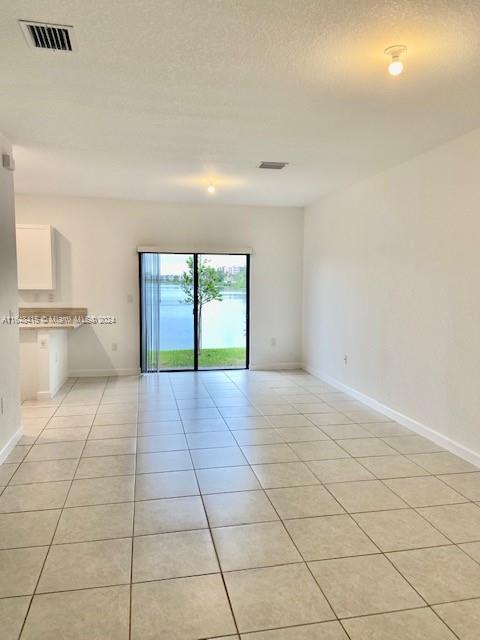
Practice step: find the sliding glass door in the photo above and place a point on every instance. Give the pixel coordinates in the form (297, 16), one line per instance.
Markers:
(194, 311)
(167, 310)
(222, 311)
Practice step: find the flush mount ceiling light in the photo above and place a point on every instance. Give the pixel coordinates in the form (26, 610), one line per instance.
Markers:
(211, 189)
(396, 52)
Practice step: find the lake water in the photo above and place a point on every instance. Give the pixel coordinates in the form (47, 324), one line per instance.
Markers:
(223, 322)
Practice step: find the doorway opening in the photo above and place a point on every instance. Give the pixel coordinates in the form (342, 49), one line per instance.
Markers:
(194, 311)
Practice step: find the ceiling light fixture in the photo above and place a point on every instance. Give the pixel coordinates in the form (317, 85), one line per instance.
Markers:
(211, 189)
(395, 67)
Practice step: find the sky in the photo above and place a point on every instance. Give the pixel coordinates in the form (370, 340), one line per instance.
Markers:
(175, 264)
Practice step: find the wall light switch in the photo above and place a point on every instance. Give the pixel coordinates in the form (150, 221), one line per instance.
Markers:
(114, 346)
(129, 298)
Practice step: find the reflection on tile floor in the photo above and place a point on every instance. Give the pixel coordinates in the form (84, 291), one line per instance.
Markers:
(252, 505)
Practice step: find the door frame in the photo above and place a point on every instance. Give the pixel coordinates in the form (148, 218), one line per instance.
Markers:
(195, 312)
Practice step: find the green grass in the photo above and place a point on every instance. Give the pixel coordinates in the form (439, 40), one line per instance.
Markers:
(207, 358)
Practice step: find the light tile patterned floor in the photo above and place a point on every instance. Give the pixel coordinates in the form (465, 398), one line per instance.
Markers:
(252, 505)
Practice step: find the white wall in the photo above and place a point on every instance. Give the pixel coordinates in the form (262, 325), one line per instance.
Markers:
(97, 262)
(9, 358)
(392, 278)
(43, 362)
(57, 361)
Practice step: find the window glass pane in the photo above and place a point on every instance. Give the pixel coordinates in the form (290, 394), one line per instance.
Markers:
(167, 311)
(222, 311)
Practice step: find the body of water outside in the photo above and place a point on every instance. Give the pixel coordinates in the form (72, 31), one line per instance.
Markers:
(223, 321)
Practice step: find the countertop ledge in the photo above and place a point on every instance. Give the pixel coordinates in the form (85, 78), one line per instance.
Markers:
(41, 327)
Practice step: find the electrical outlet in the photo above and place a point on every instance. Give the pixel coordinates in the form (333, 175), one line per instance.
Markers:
(51, 297)
(345, 359)
(114, 346)
(273, 342)
(130, 298)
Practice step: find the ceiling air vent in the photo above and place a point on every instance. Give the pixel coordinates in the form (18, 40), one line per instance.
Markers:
(54, 37)
(272, 165)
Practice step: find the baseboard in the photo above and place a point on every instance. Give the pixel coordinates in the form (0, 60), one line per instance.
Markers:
(421, 429)
(48, 395)
(44, 395)
(95, 373)
(8, 446)
(275, 366)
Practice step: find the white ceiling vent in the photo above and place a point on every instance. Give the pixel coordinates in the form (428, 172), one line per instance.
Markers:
(272, 165)
(53, 37)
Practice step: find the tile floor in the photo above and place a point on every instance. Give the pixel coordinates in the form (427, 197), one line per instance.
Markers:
(252, 505)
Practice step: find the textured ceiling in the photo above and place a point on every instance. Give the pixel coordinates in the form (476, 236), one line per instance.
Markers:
(164, 96)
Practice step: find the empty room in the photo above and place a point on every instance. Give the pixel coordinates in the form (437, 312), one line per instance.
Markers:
(239, 320)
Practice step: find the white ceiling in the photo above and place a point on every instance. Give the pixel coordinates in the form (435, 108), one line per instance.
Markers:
(165, 95)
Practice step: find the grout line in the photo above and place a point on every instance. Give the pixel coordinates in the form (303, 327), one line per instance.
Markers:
(215, 549)
(396, 569)
(365, 615)
(384, 555)
(302, 390)
(295, 546)
(192, 495)
(306, 563)
(47, 553)
(133, 529)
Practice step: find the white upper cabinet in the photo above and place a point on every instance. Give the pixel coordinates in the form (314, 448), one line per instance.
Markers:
(35, 256)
